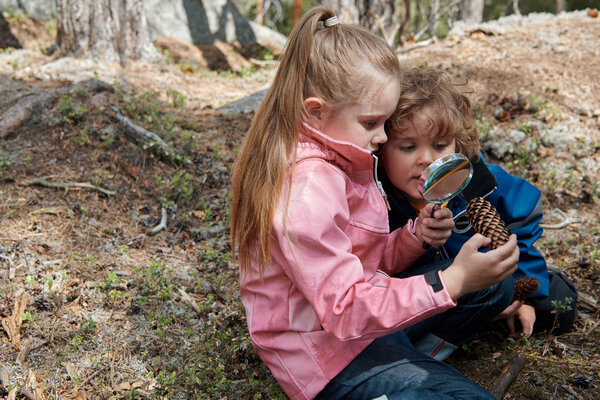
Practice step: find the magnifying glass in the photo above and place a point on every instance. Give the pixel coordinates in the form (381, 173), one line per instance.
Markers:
(444, 179)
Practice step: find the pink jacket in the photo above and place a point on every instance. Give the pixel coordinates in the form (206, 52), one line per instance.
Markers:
(328, 293)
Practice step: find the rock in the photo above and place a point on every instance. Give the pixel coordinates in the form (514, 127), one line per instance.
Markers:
(181, 52)
(205, 23)
(248, 104)
(235, 61)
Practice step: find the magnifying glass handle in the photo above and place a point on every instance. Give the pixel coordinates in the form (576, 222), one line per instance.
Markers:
(436, 207)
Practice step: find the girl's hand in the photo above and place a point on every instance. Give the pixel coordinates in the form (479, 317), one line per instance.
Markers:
(472, 270)
(434, 229)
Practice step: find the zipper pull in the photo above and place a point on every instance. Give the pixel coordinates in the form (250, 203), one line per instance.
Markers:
(385, 198)
(378, 183)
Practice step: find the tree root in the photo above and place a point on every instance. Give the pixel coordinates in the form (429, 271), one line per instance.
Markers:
(148, 140)
(65, 185)
(29, 105)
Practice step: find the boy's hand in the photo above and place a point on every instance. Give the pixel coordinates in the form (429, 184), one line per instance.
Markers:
(434, 229)
(524, 313)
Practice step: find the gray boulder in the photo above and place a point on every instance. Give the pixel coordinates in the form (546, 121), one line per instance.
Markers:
(36, 9)
(206, 22)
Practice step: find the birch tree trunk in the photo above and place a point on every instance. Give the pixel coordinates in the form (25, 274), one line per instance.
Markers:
(471, 11)
(111, 30)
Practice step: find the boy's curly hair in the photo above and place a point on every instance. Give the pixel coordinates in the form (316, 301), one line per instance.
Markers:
(423, 86)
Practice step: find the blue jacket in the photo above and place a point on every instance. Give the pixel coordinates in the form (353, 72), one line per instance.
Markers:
(518, 202)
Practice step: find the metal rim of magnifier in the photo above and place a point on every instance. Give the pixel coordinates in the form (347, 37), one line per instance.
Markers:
(454, 157)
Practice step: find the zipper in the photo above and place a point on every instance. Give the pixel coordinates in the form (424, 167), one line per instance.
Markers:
(378, 183)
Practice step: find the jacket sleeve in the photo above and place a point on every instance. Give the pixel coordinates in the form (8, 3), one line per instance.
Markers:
(315, 250)
(520, 205)
(403, 249)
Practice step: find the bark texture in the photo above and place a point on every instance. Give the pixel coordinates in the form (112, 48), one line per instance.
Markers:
(471, 11)
(111, 30)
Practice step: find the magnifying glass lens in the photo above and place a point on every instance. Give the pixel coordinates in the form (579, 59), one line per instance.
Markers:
(445, 178)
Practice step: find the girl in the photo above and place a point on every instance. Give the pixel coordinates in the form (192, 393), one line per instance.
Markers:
(310, 223)
(434, 119)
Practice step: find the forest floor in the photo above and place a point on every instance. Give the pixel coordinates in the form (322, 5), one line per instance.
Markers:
(94, 305)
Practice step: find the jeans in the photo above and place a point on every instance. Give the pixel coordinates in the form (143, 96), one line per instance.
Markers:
(396, 365)
(473, 311)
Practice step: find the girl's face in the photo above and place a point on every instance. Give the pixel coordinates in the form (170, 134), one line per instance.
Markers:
(410, 150)
(362, 122)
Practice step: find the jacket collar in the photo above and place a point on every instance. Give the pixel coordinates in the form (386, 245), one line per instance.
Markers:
(313, 143)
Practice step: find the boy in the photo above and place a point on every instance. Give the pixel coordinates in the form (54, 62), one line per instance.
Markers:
(433, 118)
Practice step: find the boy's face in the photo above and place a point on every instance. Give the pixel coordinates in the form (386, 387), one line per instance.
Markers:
(410, 150)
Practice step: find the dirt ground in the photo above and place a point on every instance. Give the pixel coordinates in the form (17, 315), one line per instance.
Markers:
(95, 306)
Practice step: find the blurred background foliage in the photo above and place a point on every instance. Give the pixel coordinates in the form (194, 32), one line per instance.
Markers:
(278, 14)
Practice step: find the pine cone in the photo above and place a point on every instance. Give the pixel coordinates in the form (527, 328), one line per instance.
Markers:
(525, 287)
(486, 220)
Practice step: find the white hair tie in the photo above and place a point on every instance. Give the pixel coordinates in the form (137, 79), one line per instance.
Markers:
(331, 21)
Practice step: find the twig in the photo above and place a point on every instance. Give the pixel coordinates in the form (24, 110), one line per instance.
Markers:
(587, 301)
(63, 185)
(262, 63)
(565, 220)
(508, 375)
(147, 139)
(436, 17)
(162, 225)
(566, 362)
(89, 377)
(417, 45)
(185, 296)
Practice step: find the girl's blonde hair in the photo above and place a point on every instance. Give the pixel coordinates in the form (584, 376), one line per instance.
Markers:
(325, 60)
(423, 86)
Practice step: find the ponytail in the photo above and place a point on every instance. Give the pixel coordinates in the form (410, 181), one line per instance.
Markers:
(324, 58)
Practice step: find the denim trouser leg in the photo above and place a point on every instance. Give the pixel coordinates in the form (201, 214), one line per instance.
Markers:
(392, 367)
(473, 310)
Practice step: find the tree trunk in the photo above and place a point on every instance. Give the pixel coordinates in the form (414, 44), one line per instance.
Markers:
(434, 7)
(405, 11)
(471, 11)
(379, 16)
(297, 14)
(560, 6)
(111, 30)
(259, 12)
